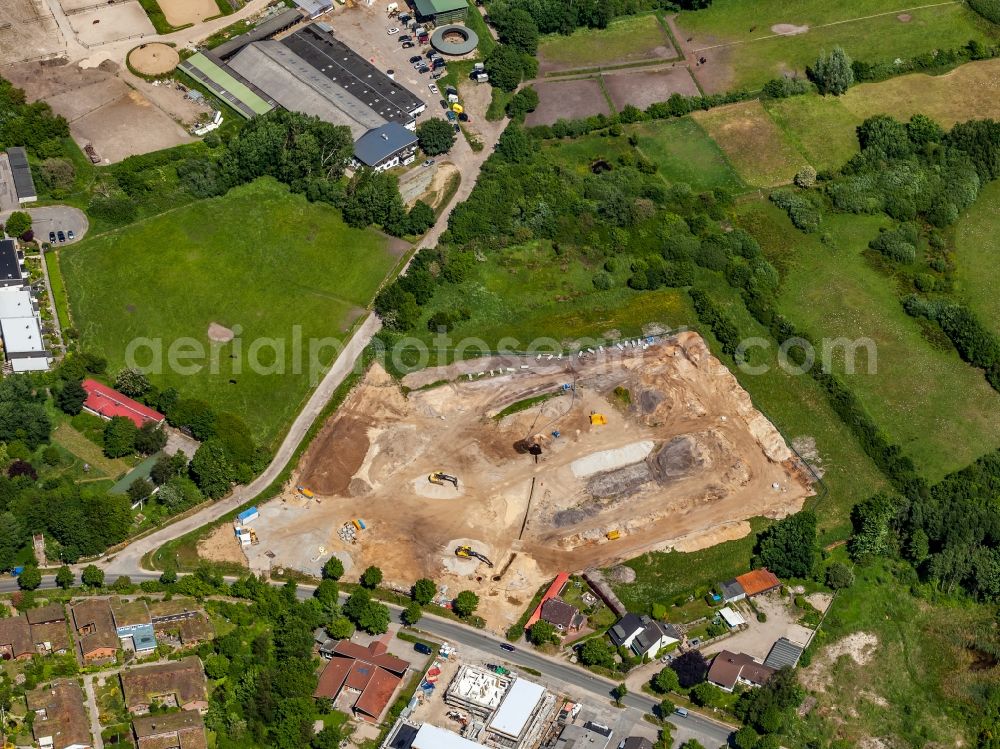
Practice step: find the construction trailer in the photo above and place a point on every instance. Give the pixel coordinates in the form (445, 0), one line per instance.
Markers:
(247, 516)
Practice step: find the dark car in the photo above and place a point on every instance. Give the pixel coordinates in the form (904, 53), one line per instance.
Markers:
(463, 117)
(416, 59)
(404, 17)
(424, 38)
(52, 237)
(438, 63)
(431, 54)
(62, 236)
(508, 648)
(438, 74)
(408, 45)
(405, 38)
(421, 648)
(423, 69)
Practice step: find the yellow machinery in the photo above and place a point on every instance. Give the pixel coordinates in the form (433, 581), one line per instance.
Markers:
(613, 535)
(598, 419)
(307, 493)
(439, 477)
(467, 552)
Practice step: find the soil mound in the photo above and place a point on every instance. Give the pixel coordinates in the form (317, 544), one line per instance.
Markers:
(788, 29)
(620, 574)
(678, 458)
(620, 483)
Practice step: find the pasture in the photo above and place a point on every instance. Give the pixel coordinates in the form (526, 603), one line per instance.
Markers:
(822, 128)
(938, 409)
(627, 40)
(977, 245)
(752, 142)
(260, 261)
(746, 42)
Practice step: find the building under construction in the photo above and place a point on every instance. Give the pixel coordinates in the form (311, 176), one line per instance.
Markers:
(478, 691)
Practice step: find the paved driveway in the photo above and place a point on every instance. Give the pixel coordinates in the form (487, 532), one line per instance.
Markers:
(53, 218)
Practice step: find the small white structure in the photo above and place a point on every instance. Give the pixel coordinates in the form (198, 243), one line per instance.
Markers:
(732, 617)
(518, 711)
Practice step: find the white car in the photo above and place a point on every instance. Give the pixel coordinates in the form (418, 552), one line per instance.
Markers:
(432, 87)
(392, 31)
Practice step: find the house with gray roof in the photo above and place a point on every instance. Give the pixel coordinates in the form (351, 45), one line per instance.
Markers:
(385, 146)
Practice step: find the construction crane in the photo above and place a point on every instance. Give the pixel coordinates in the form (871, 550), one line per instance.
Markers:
(439, 477)
(467, 552)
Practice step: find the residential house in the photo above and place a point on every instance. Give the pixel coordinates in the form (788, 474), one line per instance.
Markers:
(626, 629)
(729, 669)
(385, 147)
(563, 616)
(731, 591)
(183, 730)
(61, 720)
(653, 638)
(175, 684)
(107, 403)
(367, 676)
(50, 614)
(134, 626)
(759, 581)
(15, 639)
(97, 638)
(48, 629)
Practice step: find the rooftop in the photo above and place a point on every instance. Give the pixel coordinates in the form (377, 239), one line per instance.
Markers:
(554, 589)
(378, 693)
(129, 613)
(731, 617)
(731, 589)
(235, 92)
(517, 708)
(783, 653)
(729, 668)
(108, 402)
(53, 633)
(479, 687)
(374, 653)
(433, 7)
(758, 581)
(432, 737)
(60, 714)
(15, 637)
(23, 183)
(575, 736)
(93, 621)
(382, 142)
(183, 730)
(53, 612)
(22, 335)
(626, 627)
(15, 301)
(184, 678)
(286, 19)
(10, 265)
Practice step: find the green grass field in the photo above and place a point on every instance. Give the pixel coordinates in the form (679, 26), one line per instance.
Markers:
(977, 243)
(627, 39)
(681, 149)
(936, 407)
(743, 49)
(59, 298)
(756, 147)
(259, 258)
(821, 128)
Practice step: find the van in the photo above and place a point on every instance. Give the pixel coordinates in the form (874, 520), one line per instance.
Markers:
(681, 711)
(421, 648)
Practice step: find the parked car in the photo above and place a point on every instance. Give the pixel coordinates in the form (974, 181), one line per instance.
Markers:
(451, 116)
(415, 59)
(392, 31)
(438, 63)
(433, 88)
(408, 45)
(429, 162)
(52, 237)
(505, 646)
(405, 38)
(70, 235)
(432, 53)
(458, 128)
(405, 18)
(61, 235)
(463, 117)
(423, 69)
(424, 38)
(438, 74)
(681, 712)
(421, 648)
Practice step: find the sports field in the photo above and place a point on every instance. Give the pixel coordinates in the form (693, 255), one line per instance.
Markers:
(936, 407)
(977, 242)
(747, 42)
(627, 39)
(258, 259)
(752, 142)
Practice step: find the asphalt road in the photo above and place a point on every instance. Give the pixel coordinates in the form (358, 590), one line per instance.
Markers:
(709, 732)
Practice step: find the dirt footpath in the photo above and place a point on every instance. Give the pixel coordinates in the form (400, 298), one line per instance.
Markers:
(683, 455)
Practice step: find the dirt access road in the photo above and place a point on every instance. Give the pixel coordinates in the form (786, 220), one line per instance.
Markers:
(689, 455)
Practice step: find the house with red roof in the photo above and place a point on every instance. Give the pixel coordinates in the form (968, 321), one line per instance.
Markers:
(107, 403)
(366, 678)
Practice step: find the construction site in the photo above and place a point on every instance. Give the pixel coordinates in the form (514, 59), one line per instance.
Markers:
(514, 469)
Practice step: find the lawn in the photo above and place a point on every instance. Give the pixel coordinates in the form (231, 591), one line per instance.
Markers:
(87, 452)
(977, 244)
(259, 261)
(908, 691)
(627, 39)
(821, 128)
(59, 299)
(745, 50)
(753, 143)
(936, 407)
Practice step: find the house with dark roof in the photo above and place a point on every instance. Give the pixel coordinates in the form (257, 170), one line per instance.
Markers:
(11, 266)
(385, 146)
(24, 185)
(589, 736)
(366, 678)
(731, 591)
(653, 638)
(626, 629)
(729, 669)
(174, 684)
(97, 640)
(563, 616)
(15, 639)
(183, 730)
(266, 30)
(61, 719)
(636, 742)
(50, 614)
(107, 403)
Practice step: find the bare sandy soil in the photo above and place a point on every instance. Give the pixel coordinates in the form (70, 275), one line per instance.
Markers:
(221, 546)
(109, 23)
(104, 111)
(154, 59)
(567, 100)
(183, 12)
(27, 31)
(690, 455)
(640, 88)
(758, 637)
(860, 647)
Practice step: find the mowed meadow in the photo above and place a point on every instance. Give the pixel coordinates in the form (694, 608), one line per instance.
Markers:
(258, 260)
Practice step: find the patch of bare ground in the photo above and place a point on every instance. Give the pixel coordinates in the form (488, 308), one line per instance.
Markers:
(221, 546)
(860, 647)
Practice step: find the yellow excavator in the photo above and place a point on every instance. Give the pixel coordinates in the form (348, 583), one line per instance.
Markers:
(467, 552)
(439, 477)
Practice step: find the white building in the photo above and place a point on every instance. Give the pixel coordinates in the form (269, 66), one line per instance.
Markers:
(522, 709)
(21, 330)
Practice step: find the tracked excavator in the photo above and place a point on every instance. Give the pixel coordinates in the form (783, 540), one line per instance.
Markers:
(439, 477)
(467, 552)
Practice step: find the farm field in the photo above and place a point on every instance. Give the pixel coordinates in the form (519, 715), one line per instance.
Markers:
(747, 43)
(936, 407)
(627, 39)
(822, 128)
(977, 242)
(753, 143)
(258, 259)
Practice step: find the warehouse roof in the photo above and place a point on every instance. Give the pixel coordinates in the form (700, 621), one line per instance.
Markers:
(23, 183)
(380, 143)
(236, 93)
(275, 24)
(432, 737)
(298, 86)
(758, 581)
(433, 7)
(783, 653)
(354, 74)
(517, 708)
(60, 714)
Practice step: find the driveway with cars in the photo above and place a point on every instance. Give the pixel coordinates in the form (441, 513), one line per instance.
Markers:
(55, 218)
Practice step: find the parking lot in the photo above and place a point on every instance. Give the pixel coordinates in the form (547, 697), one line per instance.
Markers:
(56, 218)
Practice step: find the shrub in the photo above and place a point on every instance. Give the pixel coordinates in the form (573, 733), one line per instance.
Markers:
(988, 9)
(802, 212)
